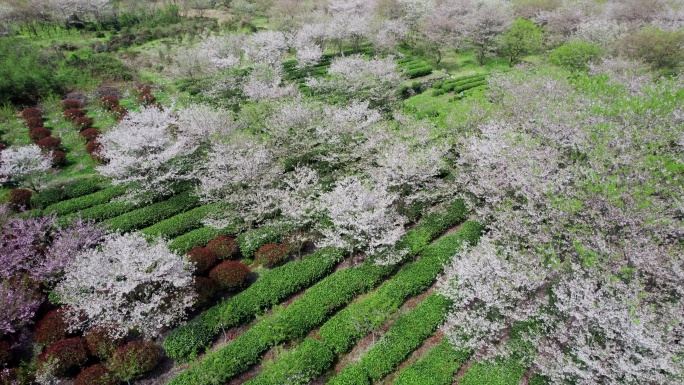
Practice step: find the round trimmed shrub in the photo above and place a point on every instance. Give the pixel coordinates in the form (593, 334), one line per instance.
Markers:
(205, 289)
(147, 99)
(119, 112)
(5, 351)
(230, 274)
(224, 247)
(71, 104)
(101, 344)
(83, 122)
(2, 146)
(59, 158)
(72, 113)
(272, 254)
(68, 355)
(20, 198)
(134, 359)
(34, 122)
(31, 112)
(95, 375)
(109, 102)
(93, 146)
(51, 328)
(49, 143)
(203, 259)
(90, 133)
(39, 133)
(141, 89)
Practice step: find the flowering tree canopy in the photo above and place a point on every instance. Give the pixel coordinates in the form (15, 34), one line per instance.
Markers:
(127, 283)
(26, 165)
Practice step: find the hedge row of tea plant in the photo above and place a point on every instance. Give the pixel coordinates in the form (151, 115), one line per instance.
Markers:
(74, 205)
(300, 317)
(437, 367)
(406, 335)
(270, 289)
(282, 282)
(341, 332)
(153, 213)
(183, 223)
(71, 190)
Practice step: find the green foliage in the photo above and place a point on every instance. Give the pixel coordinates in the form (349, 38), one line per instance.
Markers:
(198, 237)
(352, 323)
(184, 222)
(103, 66)
(663, 50)
(508, 372)
(351, 375)
(27, 74)
(405, 335)
(109, 210)
(70, 190)
(251, 241)
(575, 55)
(153, 213)
(76, 204)
(523, 38)
(437, 367)
(311, 358)
(307, 312)
(418, 72)
(272, 287)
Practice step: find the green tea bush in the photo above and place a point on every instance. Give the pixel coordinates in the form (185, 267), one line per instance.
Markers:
(437, 367)
(198, 237)
(406, 334)
(183, 223)
(250, 241)
(351, 375)
(306, 363)
(154, 213)
(575, 55)
(418, 72)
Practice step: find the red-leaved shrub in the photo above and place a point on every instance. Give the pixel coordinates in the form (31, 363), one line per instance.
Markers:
(101, 343)
(147, 99)
(142, 89)
(34, 122)
(90, 133)
(2, 146)
(230, 274)
(224, 247)
(83, 122)
(203, 259)
(67, 355)
(109, 102)
(20, 198)
(49, 143)
(71, 103)
(205, 289)
(93, 146)
(134, 359)
(95, 375)
(59, 158)
(39, 133)
(31, 112)
(72, 113)
(51, 328)
(6, 351)
(272, 254)
(119, 112)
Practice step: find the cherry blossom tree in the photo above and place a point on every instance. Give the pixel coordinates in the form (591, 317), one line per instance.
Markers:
(583, 237)
(362, 217)
(127, 284)
(442, 28)
(145, 149)
(485, 23)
(355, 78)
(25, 165)
(266, 47)
(19, 303)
